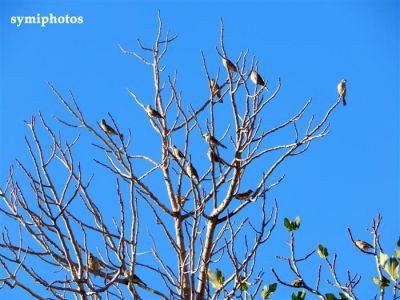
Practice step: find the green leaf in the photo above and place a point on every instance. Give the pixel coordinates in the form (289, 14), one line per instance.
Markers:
(267, 291)
(382, 283)
(322, 251)
(331, 297)
(397, 252)
(243, 284)
(393, 268)
(288, 224)
(219, 276)
(272, 287)
(300, 295)
(297, 222)
(383, 258)
(217, 280)
(343, 296)
(398, 242)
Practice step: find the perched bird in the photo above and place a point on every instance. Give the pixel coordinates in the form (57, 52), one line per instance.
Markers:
(215, 90)
(180, 199)
(244, 195)
(212, 141)
(257, 79)
(363, 245)
(133, 279)
(297, 282)
(152, 113)
(177, 153)
(229, 65)
(94, 263)
(107, 128)
(341, 89)
(214, 157)
(191, 171)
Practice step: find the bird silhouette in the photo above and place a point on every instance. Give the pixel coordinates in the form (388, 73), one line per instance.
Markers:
(191, 171)
(177, 153)
(257, 79)
(363, 245)
(341, 89)
(243, 195)
(94, 263)
(215, 90)
(152, 113)
(212, 141)
(229, 65)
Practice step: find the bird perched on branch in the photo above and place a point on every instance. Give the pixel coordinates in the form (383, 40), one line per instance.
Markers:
(215, 90)
(244, 195)
(363, 245)
(297, 282)
(257, 79)
(177, 153)
(133, 279)
(94, 263)
(191, 171)
(152, 113)
(212, 141)
(107, 128)
(229, 65)
(341, 89)
(214, 157)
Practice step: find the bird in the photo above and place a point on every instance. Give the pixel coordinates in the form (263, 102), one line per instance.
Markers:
(180, 199)
(341, 89)
(215, 90)
(229, 65)
(214, 157)
(363, 245)
(297, 282)
(243, 195)
(107, 128)
(133, 279)
(152, 113)
(212, 141)
(94, 263)
(191, 171)
(257, 79)
(177, 153)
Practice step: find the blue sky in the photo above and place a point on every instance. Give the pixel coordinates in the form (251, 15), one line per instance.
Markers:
(343, 180)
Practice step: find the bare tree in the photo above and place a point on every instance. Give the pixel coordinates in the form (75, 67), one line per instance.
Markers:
(202, 221)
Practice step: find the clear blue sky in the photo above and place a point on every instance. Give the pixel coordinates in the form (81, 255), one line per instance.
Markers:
(343, 180)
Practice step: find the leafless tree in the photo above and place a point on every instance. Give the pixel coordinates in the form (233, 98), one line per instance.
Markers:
(199, 213)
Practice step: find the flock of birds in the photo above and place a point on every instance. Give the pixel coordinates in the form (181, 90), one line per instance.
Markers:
(212, 141)
(97, 265)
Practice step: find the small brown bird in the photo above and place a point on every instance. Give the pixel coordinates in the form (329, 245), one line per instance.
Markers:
(215, 90)
(297, 282)
(177, 153)
(191, 171)
(94, 263)
(341, 89)
(212, 141)
(180, 199)
(214, 157)
(363, 245)
(243, 195)
(229, 65)
(152, 113)
(256, 78)
(133, 279)
(107, 128)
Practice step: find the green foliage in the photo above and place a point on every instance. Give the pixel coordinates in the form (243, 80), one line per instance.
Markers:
(216, 280)
(390, 265)
(383, 283)
(243, 284)
(267, 291)
(331, 296)
(300, 295)
(292, 225)
(322, 251)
